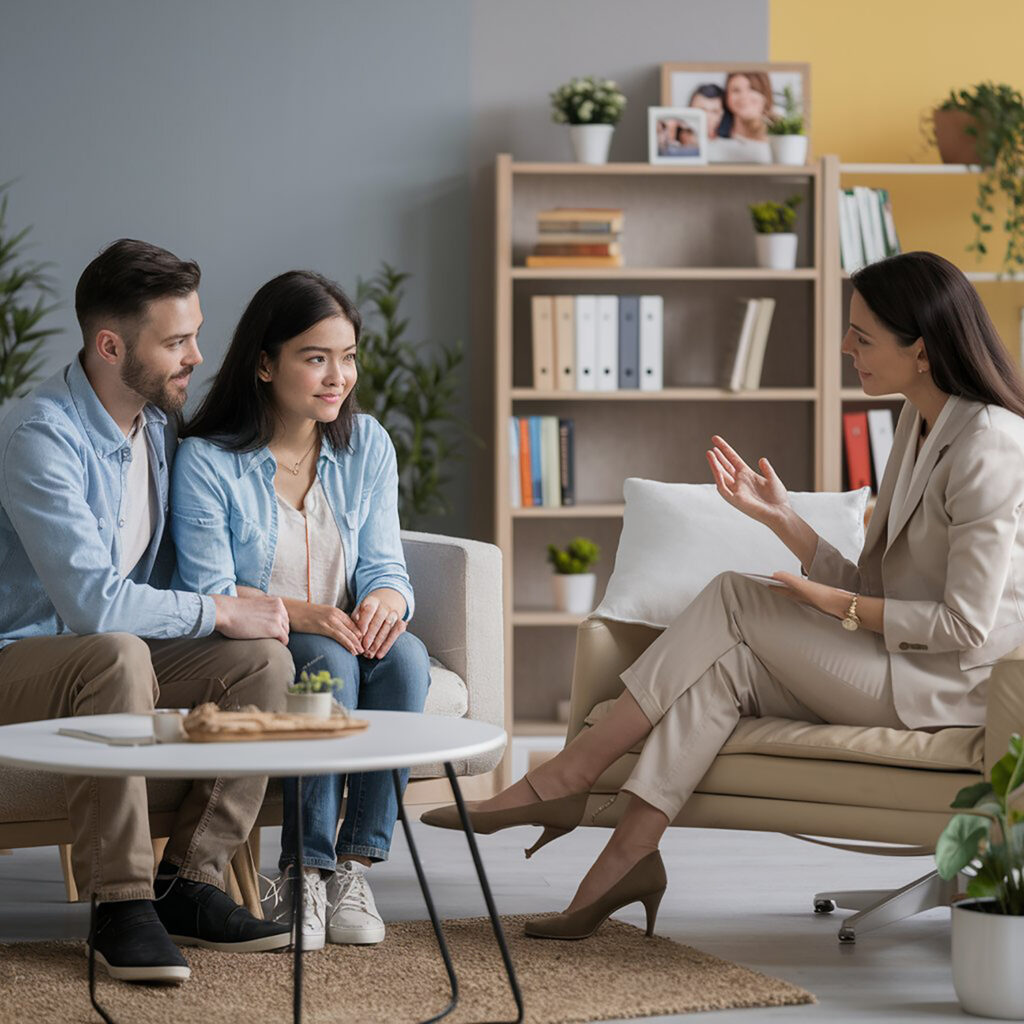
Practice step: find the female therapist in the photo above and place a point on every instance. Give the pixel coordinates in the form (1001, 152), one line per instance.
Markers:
(936, 597)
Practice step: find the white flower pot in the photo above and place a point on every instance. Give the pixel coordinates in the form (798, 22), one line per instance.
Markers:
(776, 251)
(317, 704)
(788, 149)
(574, 592)
(590, 142)
(986, 961)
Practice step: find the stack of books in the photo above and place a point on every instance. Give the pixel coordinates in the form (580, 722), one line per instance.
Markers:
(746, 357)
(867, 439)
(578, 237)
(541, 462)
(597, 342)
(867, 231)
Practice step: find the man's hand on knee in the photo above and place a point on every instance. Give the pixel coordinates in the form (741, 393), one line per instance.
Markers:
(251, 617)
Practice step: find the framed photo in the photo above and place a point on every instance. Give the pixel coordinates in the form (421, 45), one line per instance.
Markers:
(739, 100)
(677, 135)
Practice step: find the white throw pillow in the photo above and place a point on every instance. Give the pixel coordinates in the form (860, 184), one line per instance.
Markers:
(676, 538)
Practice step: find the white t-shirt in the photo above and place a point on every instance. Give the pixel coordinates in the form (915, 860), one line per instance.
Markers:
(138, 518)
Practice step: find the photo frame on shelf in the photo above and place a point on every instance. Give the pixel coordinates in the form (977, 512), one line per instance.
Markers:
(677, 135)
(739, 99)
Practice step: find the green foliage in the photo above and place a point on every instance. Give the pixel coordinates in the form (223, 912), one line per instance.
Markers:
(998, 113)
(791, 122)
(413, 393)
(988, 838)
(579, 555)
(774, 218)
(587, 101)
(25, 289)
(320, 682)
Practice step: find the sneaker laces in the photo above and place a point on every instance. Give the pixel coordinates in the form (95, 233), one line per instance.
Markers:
(353, 892)
(314, 898)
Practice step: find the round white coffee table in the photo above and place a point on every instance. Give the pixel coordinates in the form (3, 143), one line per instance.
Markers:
(394, 740)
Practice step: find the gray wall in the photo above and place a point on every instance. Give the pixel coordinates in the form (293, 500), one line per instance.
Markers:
(255, 136)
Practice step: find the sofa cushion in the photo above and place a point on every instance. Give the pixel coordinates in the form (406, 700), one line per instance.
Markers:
(447, 695)
(954, 749)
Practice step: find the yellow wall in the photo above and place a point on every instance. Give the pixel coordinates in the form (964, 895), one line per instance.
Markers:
(877, 66)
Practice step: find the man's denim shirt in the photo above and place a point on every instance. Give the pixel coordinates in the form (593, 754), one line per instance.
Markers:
(224, 514)
(63, 462)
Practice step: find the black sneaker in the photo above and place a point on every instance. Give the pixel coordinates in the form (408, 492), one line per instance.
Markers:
(132, 945)
(199, 914)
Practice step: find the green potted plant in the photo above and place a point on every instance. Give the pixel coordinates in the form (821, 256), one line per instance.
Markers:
(25, 291)
(984, 125)
(786, 132)
(592, 108)
(986, 841)
(312, 694)
(573, 581)
(775, 241)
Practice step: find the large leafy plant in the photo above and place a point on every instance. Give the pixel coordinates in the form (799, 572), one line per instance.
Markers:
(413, 392)
(26, 291)
(987, 838)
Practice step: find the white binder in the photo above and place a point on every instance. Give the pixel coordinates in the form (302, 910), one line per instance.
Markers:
(586, 342)
(607, 343)
(651, 342)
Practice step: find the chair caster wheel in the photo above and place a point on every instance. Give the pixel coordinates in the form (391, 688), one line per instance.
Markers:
(824, 906)
(847, 936)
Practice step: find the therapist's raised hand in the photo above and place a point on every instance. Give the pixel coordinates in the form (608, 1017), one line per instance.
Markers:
(252, 616)
(762, 496)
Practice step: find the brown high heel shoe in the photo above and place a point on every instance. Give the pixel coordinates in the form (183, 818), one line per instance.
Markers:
(558, 817)
(645, 882)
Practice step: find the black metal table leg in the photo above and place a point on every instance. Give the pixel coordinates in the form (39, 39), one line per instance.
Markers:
(297, 895)
(92, 963)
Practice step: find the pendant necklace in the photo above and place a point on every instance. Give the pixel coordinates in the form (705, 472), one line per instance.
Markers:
(294, 470)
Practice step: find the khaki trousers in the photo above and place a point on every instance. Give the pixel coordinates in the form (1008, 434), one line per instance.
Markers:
(743, 649)
(56, 677)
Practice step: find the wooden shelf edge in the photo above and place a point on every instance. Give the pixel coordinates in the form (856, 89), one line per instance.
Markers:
(584, 511)
(661, 274)
(882, 168)
(639, 167)
(856, 395)
(668, 394)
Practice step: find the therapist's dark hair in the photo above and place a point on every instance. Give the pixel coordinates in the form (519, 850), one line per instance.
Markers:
(921, 295)
(238, 410)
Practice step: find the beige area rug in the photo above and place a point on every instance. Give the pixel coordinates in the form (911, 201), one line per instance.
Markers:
(617, 973)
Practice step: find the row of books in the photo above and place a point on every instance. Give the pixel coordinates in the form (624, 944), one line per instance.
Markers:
(578, 237)
(867, 230)
(867, 440)
(597, 342)
(746, 359)
(541, 462)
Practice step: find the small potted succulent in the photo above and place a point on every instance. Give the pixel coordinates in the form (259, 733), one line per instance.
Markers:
(775, 240)
(312, 694)
(573, 582)
(986, 841)
(592, 108)
(786, 132)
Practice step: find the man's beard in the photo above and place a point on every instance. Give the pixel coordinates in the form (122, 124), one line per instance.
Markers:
(152, 386)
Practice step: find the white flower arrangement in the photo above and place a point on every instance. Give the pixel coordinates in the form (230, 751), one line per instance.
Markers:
(587, 101)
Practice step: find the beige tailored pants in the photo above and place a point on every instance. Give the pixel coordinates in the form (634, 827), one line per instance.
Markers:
(743, 649)
(56, 677)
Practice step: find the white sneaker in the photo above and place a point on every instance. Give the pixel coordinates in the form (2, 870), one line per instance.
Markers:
(352, 917)
(278, 902)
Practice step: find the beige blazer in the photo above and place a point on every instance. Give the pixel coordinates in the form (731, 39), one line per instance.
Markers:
(945, 548)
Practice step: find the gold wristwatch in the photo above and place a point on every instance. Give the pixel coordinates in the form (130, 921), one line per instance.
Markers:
(852, 620)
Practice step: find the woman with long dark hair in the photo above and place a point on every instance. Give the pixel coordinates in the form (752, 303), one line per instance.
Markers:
(283, 487)
(934, 600)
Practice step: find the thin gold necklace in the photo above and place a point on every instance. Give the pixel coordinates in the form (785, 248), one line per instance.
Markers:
(294, 469)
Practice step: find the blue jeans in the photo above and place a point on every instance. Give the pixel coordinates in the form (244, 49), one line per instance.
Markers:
(396, 682)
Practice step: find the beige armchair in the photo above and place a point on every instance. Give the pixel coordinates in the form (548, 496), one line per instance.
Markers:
(843, 786)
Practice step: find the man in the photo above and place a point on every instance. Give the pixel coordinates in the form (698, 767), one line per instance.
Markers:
(87, 626)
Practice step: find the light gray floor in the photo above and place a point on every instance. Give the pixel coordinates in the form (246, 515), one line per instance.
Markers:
(741, 895)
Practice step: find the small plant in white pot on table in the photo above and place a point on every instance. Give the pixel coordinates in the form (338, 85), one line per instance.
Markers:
(573, 582)
(986, 841)
(592, 108)
(775, 240)
(312, 694)
(786, 133)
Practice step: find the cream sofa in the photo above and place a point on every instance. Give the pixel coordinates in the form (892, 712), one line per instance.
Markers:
(845, 786)
(458, 617)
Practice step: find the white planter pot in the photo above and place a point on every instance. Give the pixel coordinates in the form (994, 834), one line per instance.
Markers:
(986, 961)
(574, 592)
(590, 142)
(776, 251)
(788, 149)
(317, 704)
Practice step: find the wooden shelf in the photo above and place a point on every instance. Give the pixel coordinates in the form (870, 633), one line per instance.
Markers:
(856, 395)
(593, 511)
(979, 276)
(538, 727)
(668, 395)
(545, 617)
(661, 274)
(807, 171)
(909, 169)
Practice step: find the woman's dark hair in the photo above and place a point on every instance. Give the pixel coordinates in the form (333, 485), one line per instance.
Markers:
(921, 295)
(238, 410)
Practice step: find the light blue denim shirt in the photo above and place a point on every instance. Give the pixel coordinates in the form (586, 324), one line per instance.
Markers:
(224, 514)
(63, 463)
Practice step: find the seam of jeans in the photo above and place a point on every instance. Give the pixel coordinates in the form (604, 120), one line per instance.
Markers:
(204, 821)
(114, 894)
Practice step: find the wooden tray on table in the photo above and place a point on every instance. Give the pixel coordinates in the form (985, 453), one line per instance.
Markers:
(208, 724)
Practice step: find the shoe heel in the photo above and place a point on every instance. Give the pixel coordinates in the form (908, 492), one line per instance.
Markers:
(651, 904)
(550, 834)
